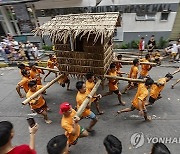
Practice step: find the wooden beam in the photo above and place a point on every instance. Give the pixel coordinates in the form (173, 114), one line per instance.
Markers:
(86, 101)
(41, 90)
(126, 79)
(46, 68)
(131, 62)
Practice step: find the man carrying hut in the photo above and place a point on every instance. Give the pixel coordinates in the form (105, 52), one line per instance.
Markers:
(35, 73)
(37, 104)
(23, 83)
(69, 123)
(133, 74)
(50, 64)
(145, 68)
(113, 86)
(139, 99)
(89, 86)
(65, 80)
(156, 89)
(80, 97)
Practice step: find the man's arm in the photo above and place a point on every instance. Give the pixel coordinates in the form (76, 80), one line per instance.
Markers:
(32, 132)
(19, 91)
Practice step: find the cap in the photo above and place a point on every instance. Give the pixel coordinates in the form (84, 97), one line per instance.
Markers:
(64, 107)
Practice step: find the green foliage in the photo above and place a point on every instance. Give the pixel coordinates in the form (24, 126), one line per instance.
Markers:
(116, 46)
(134, 44)
(162, 43)
(47, 48)
(124, 46)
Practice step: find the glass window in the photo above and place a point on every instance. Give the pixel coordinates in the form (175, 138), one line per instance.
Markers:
(164, 16)
(145, 17)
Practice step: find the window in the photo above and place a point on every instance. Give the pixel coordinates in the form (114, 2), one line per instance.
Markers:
(145, 17)
(164, 16)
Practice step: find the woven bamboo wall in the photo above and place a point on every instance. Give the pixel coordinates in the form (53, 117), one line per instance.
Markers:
(94, 58)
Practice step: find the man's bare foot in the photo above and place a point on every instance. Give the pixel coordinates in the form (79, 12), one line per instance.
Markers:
(89, 130)
(148, 118)
(48, 109)
(123, 103)
(69, 89)
(48, 121)
(146, 104)
(124, 92)
(118, 112)
(100, 113)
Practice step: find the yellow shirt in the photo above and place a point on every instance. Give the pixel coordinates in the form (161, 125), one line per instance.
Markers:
(50, 64)
(79, 99)
(24, 83)
(133, 72)
(67, 124)
(89, 87)
(155, 89)
(36, 75)
(145, 68)
(141, 94)
(113, 86)
(40, 101)
(63, 79)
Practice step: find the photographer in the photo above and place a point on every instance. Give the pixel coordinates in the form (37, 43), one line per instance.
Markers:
(7, 134)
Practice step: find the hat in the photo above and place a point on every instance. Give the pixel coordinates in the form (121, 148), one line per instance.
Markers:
(64, 107)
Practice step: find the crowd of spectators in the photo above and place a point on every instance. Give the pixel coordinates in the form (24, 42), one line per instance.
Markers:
(12, 50)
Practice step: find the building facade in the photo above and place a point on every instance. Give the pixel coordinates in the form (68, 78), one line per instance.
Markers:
(139, 17)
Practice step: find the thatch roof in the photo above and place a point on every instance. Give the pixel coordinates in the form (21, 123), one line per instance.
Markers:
(64, 26)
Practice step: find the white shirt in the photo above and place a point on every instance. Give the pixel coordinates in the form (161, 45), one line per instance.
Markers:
(16, 44)
(175, 48)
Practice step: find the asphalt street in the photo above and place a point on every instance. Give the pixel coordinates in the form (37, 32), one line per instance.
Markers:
(165, 113)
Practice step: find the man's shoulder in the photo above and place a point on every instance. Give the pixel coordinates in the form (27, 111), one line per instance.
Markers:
(22, 149)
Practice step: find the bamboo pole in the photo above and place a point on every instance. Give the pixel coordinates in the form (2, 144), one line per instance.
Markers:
(86, 101)
(177, 71)
(131, 62)
(126, 79)
(41, 90)
(46, 68)
(128, 53)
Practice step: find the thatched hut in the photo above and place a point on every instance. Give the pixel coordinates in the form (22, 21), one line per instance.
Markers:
(83, 42)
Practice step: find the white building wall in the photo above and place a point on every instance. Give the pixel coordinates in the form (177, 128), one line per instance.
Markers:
(129, 23)
(127, 2)
(46, 4)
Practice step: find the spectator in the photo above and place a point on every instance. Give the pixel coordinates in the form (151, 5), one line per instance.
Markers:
(15, 45)
(25, 50)
(112, 144)
(160, 148)
(58, 145)
(141, 46)
(22, 53)
(174, 50)
(35, 52)
(151, 45)
(29, 49)
(6, 136)
(3, 53)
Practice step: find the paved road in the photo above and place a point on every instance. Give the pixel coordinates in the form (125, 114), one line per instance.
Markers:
(166, 115)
